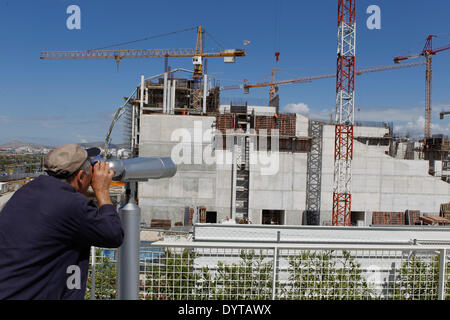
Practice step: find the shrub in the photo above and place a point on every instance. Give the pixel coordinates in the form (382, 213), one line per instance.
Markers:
(105, 278)
(315, 275)
(419, 279)
(175, 279)
(251, 279)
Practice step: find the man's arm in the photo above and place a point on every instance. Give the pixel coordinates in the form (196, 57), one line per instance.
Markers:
(101, 179)
(101, 227)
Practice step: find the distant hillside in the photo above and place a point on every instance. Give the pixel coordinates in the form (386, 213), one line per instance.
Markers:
(17, 144)
(101, 144)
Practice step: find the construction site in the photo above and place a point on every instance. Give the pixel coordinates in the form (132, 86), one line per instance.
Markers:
(339, 172)
(392, 180)
(269, 195)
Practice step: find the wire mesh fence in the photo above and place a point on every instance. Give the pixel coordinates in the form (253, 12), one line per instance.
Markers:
(215, 272)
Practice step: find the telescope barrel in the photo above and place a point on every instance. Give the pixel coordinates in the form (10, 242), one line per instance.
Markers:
(140, 169)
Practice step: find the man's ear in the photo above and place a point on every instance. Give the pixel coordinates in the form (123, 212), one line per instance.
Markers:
(80, 175)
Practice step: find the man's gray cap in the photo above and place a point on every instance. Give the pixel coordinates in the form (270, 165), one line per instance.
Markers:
(66, 159)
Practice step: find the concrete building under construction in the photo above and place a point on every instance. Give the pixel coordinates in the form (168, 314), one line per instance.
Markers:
(250, 163)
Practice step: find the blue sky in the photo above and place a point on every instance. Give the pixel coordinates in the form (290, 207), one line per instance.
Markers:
(72, 101)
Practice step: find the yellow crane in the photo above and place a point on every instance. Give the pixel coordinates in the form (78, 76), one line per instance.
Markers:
(428, 52)
(444, 113)
(197, 54)
(274, 84)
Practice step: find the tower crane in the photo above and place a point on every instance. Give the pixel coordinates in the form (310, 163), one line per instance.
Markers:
(344, 116)
(273, 84)
(197, 54)
(428, 52)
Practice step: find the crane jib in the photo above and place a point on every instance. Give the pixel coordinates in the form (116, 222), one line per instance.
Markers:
(136, 53)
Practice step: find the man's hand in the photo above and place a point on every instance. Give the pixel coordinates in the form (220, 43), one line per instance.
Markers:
(101, 178)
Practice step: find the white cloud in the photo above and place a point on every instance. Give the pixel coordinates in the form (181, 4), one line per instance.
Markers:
(81, 138)
(416, 128)
(388, 114)
(412, 128)
(301, 108)
(407, 120)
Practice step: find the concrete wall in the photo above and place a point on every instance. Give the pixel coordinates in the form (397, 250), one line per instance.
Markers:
(277, 180)
(194, 183)
(301, 125)
(283, 190)
(380, 183)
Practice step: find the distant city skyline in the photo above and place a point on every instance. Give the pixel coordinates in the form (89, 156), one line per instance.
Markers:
(73, 101)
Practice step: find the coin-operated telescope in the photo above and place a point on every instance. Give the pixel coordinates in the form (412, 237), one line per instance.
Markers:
(131, 171)
(141, 169)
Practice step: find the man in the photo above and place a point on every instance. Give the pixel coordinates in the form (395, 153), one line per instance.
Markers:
(48, 226)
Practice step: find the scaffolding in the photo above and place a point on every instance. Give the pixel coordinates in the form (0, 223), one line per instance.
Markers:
(314, 174)
(167, 94)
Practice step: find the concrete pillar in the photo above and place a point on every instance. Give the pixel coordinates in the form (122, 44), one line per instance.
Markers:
(168, 95)
(233, 180)
(133, 126)
(205, 83)
(172, 99)
(141, 108)
(165, 93)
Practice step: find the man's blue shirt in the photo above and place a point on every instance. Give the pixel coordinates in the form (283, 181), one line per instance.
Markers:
(46, 231)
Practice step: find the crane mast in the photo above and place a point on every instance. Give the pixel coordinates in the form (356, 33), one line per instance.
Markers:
(427, 53)
(344, 116)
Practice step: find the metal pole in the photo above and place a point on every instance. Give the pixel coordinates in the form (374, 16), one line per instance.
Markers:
(93, 273)
(442, 274)
(275, 266)
(128, 254)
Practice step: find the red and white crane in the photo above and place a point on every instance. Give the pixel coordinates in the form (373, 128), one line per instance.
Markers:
(344, 116)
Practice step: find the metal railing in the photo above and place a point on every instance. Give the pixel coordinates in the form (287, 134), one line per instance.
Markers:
(213, 271)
